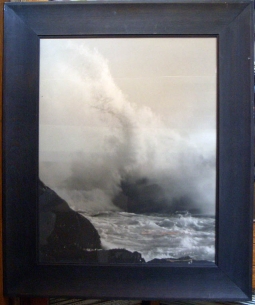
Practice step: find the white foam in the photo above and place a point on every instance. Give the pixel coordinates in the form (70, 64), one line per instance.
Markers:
(139, 233)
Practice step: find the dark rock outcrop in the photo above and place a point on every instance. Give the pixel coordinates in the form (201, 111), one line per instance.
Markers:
(145, 197)
(119, 256)
(63, 232)
(140, 197)
(182, 260)
(67, 236)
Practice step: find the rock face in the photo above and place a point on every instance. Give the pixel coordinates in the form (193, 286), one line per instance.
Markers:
(182, 260)
(145, 197)
(67, 236)
(140, 197)
(119, 256)
(112, 256)
(64, 233)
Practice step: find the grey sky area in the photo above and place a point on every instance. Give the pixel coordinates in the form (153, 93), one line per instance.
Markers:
(140, 105)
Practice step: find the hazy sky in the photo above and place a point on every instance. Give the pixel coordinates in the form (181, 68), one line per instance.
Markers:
(129, 108)
(175, 77)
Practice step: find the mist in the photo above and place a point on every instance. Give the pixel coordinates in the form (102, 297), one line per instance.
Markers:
(106, 140)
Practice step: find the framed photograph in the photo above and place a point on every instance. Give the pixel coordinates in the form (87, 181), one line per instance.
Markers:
(127, 150)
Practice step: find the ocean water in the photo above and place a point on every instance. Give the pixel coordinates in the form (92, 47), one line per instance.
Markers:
(157, 236)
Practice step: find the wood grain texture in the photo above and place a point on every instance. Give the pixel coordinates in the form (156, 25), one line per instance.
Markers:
(253, 277)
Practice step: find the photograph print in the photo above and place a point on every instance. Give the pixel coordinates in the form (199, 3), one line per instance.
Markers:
(127, 150)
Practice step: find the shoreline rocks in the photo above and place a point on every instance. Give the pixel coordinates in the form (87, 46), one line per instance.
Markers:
(62, 231)
(67, 236)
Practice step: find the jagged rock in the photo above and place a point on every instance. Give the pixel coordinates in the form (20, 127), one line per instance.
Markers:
(145, 197)
(119, 256)
(186, 259)
(67, 236)
(140, 197)
(63, 232)
(182, 260)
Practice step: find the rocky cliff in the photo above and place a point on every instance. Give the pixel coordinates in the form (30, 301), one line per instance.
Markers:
(67, 236)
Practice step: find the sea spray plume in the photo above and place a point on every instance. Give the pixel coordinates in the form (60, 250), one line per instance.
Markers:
(116, 119)
(121, 141)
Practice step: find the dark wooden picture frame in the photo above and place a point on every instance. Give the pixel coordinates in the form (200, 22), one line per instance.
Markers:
(231, 23)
